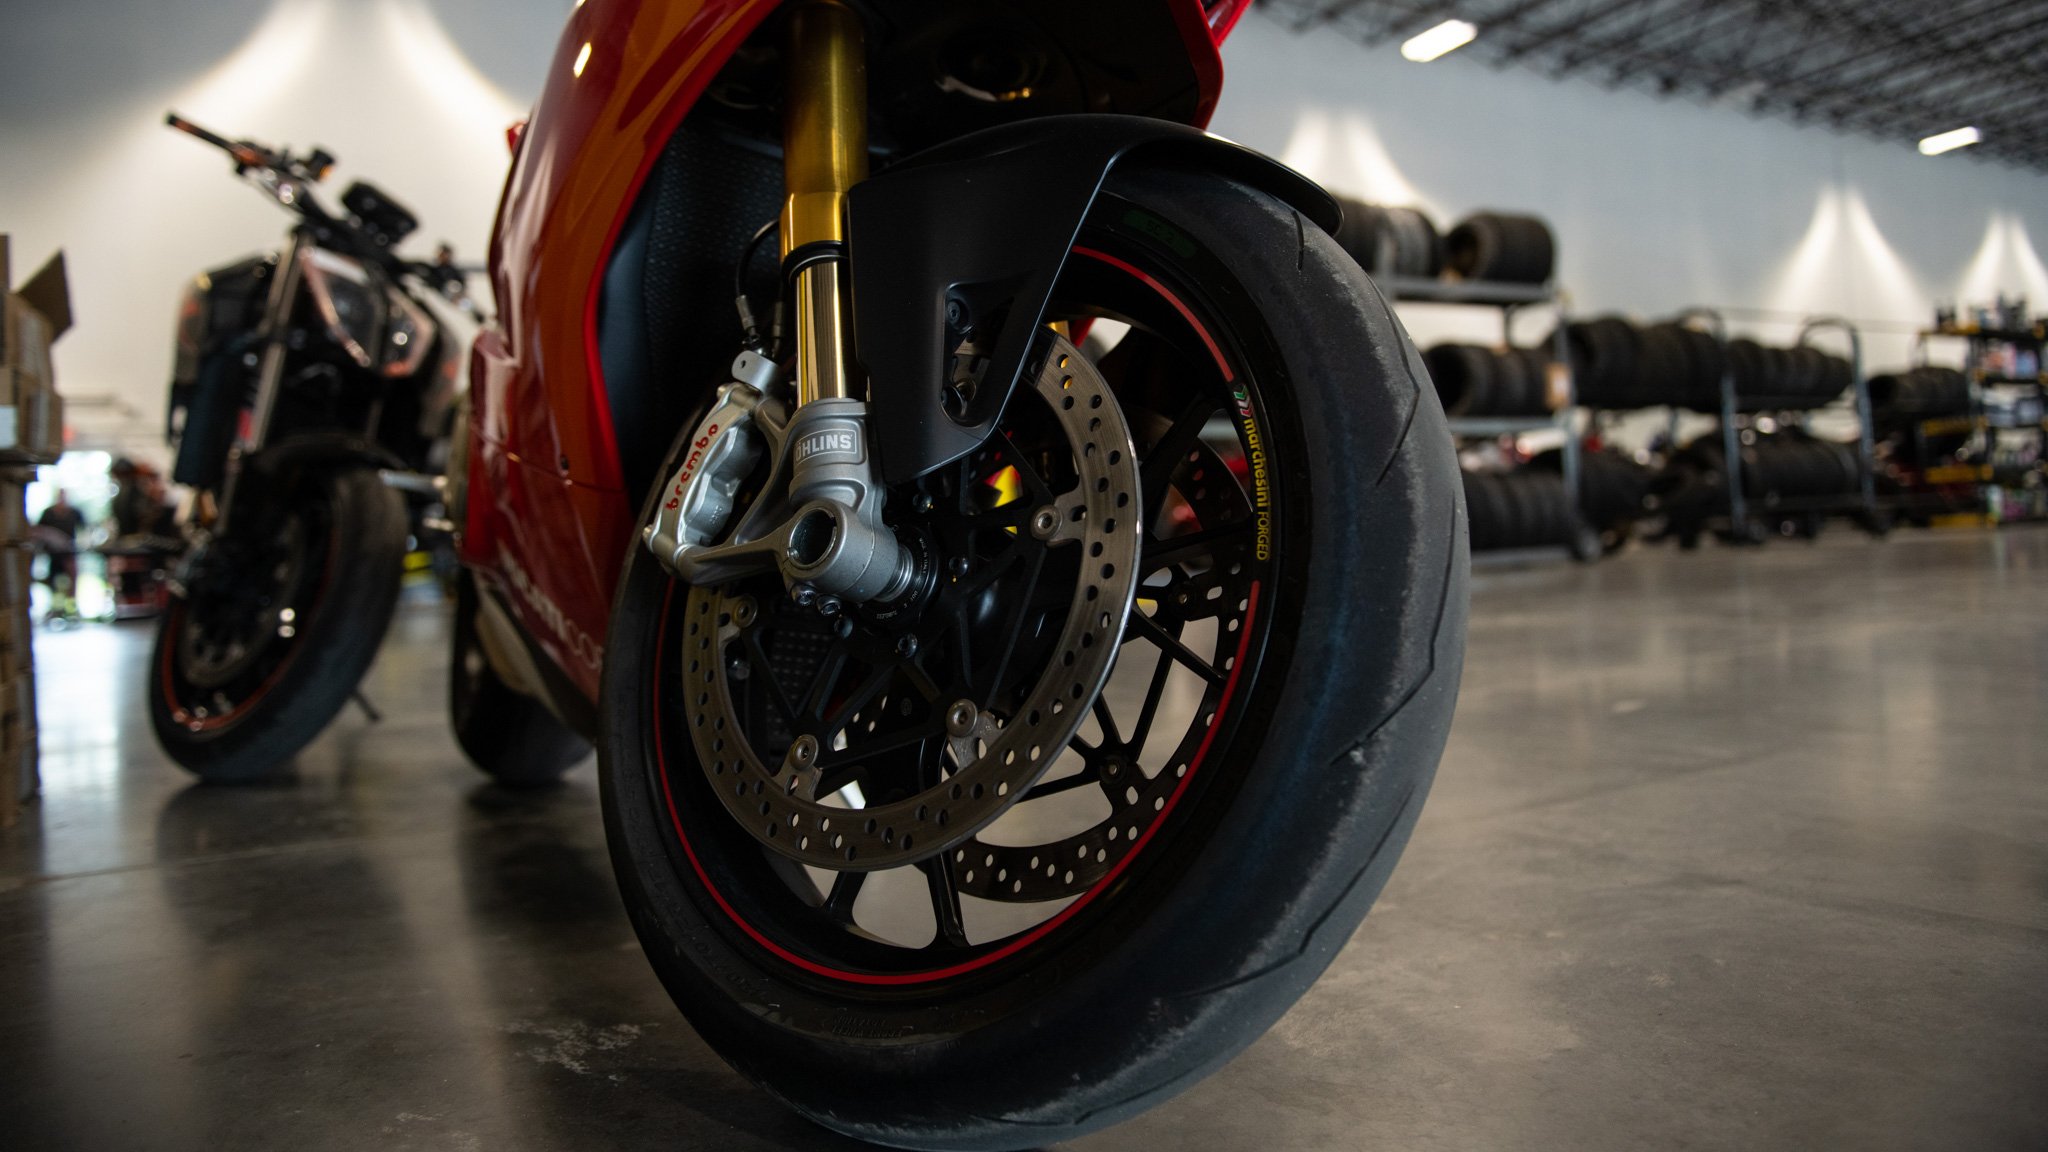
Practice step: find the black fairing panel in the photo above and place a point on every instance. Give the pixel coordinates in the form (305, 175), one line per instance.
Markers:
(986, 222)
(666, 327)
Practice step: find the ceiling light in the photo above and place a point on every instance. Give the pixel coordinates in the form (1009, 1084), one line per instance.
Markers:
(1949, 141)
(1449, 35)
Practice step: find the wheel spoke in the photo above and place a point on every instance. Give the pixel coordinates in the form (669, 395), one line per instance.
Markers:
(1040, 493)
(889, 742)
(1159, 553)
(1013, 627)
(920, 681)
(1159, 465)
(845, 890)
(1147, 628)
(764, 673)
(1111, 737)
(1039, 791)
(938, 874)
(822, 683)
(1149, 711)
(858, 699)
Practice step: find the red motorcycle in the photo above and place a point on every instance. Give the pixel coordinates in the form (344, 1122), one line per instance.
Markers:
(1019, 611)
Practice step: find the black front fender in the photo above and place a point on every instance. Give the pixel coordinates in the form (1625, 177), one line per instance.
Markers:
(985, 223)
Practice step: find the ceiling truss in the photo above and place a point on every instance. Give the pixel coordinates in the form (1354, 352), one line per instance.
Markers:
(1893, 69)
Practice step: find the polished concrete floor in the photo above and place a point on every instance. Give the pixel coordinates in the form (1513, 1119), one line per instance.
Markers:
(1730, 850)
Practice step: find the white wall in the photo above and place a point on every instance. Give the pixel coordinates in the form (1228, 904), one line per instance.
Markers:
(1658, 205)
(140, 209)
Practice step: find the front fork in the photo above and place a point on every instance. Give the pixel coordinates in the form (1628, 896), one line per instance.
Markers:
(819, 520)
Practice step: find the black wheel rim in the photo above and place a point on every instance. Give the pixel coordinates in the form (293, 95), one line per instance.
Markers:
(1185, 667)
(240, 624)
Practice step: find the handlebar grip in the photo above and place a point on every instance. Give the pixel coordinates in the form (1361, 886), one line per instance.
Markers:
(243, 153)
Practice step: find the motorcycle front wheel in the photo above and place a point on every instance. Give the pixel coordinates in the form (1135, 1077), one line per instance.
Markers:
(275, 626)
(1285, 668)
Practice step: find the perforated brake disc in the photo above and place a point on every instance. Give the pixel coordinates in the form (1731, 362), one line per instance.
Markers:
(998, 749)
(1138, 797)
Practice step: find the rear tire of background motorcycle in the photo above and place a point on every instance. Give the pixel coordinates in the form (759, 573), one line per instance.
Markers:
(508, 735)
(1346, 720)
(337, 643)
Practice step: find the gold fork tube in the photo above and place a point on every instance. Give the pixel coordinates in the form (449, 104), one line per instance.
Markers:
(824, 153)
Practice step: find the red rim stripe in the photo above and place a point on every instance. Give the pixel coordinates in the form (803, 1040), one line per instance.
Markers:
(1013, 947)
(1222, 365)
(1039, 932)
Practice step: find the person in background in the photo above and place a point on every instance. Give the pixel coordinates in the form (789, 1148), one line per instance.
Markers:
(142, 504)
(56, 535)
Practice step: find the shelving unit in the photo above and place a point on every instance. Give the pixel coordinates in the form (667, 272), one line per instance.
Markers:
(1791, 411)
(1511, 299)
(1980, 423)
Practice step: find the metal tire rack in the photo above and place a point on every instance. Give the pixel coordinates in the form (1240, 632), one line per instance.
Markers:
(1511, 299)
(1743, 528)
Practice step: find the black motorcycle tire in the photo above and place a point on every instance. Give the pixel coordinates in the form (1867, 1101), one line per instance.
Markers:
(510, 736)
(337, 634)
(1201, 951)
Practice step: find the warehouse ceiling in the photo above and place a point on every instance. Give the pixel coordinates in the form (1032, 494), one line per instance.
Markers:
(1895, 69)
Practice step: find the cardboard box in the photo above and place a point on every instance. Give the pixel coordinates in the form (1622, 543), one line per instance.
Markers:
(19, 775)
(14, 583)
(36, 314)
(13, 514)
(32, 427)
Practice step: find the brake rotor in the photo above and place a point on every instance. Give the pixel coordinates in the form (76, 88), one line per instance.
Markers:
(224, 638)
(1139, 797)
(998, 749)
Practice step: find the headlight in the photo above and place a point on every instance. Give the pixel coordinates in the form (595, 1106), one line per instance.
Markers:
(347, 300)
(410, 338)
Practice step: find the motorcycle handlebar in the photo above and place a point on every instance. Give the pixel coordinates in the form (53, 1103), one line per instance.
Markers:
(245, 154)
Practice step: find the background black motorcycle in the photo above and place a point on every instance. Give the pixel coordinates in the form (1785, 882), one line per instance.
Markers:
(311, 387)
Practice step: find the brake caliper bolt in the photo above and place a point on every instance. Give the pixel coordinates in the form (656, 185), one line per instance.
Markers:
(828, 605)
(804, 595)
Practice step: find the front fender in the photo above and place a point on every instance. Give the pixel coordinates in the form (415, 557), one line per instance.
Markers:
(985, 222)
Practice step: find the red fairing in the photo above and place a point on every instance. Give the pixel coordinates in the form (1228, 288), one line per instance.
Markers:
(1202, 36)
(1224, 15)
(548, 517)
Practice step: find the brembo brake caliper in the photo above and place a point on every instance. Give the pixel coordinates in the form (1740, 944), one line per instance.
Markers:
(819, 518)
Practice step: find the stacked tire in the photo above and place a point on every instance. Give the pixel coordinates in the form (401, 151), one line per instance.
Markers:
(1767, 379)
(1787, 466)
(1619, 366)
(1525, 509)
(1475, 381)
(1614, 490)
(1391, 241)
(1501, 248)
(1797, 467)
(1919, 394)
